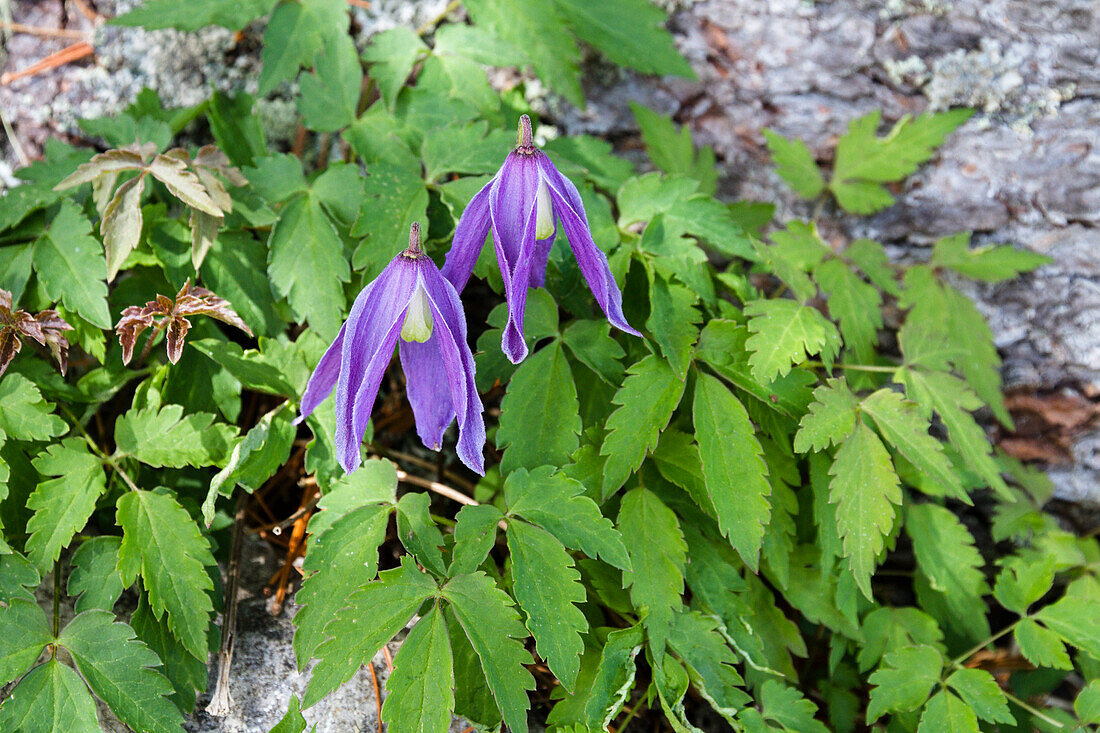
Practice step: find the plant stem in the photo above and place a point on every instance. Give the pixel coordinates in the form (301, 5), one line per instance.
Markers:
(1034, 711)
(959, 660)
(56, 601)
(854, 367)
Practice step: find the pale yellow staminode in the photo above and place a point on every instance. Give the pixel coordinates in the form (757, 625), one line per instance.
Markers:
(418, 318)
(544, 214)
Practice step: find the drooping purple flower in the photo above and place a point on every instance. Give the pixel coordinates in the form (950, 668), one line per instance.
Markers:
(409, 302)
(521, 206)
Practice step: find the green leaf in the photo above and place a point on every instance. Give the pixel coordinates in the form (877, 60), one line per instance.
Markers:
(394, 197)
(1042, 647)
(982, 693)
(293, 721)
(547, 586)
(235, 268)
(832, 417)
(658, 555)
(646, 400)
(558, 505)
(854, 304)
(539, 415)
(94, 574)
(24, 633)
(865, 490)
(677, 459)
(329, 97)
(733, 466)
(121, 224)
(629, 32)
(464, 148)
(62, 505)
(168, 438)
(900, 422)
(864, 160)
(254, 370)
(475, 536)
(156, 14)
(784, 333)
(51, 698)
(591, 343)
(795, 164)
(946, 713)
(296, 32)
(947, 556)
(904, 681)
(18, 578)
(341, 559)
(185, 671)
(1074, 619)
(614, 677)
(674, 322)
(162, 543)
(392, 55)
(786, 706)
(493, 627)
(1087, 704)
(24, 415)
(121, 670)
(254, 459)
(671, 149)
(418, 533)
(987, 263)
(1023, 582)
(698, 642)
(886, 629)
(371, 616)
(420, 691)
(374, 483)
(70, 266)
(306, 262)
(536, 28)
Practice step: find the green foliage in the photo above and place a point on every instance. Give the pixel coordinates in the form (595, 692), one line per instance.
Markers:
(784, 493)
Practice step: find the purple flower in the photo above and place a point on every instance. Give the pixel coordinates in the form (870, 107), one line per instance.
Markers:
(411, 302)
(521, 205)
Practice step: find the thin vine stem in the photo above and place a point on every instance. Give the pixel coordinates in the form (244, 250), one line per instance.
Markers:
(1034, 711)
(959, 660)
(854, 367)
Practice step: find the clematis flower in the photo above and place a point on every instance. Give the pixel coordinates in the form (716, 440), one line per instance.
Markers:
(410, 303)
(521, 206)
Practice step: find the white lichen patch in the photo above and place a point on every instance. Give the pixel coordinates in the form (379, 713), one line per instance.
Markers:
(912, 71)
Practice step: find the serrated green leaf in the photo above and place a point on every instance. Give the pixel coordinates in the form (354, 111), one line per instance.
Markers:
(155, 14)
(539, 31)
(591, 343)
(864, 489)
(946, 713)
(329, 97)
(539, 415)
(871, 257)
(293, 721)
(677, 459)
(658, 555)
(785, 333)
(947, 556)
(235, 268)
(340, 559)
(24, 633)
(864, 160)
(672, 149)
(51, 698)
(254, 458)
(418, 533)
(24, 415)
(94, 574)
(464, 148)
(795, 164)
(255, 370)
(374, 483)
(733, 467)
(392, 55)
(547, 587)
(854, 304)
(630, 33)
(887, 629)
(306, 262)
(1074, 619)
(904, 681)
(982, 693)
(1087, 704)
(70, 266)
(121, 670)
(832, 417)
(1042, 647)
(558, 505)
(698, 642)
(988, 263)
(901, 424)
(1023, 582)
(614, 677)
(162, 543)
(421, 689)
(294, 35)
(62, 505)
(167, 437)
(674, 322)
(493, 627)
(185, 671)
(394, 197)
(786, 706)
(646, 400)
(371, 617)
(18, 577)
(475, 535)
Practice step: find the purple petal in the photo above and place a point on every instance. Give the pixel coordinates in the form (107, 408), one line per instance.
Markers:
(458, 364)
(371, 333)
(540, 259)
(511, 200)
(473, 226)
(515, 291)
(427, 388)
(590, 258)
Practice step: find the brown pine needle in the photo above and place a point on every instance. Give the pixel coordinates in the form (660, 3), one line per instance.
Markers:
(62, 57)
(360, 4)
(34, 30)
(377, 695)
